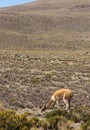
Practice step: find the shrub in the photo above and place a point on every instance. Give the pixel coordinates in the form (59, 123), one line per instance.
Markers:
(76, 117)
(72, 115)
(64, 125)
(54, 113)
(86, 125)
(9, 120)
(80, 113)
(54, 117)
(35, 80)
(44, 124)
(58, 118)
(48, 76)
(34, 128)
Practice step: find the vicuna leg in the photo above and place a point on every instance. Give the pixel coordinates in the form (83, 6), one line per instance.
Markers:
(56, 103)
(67, 103)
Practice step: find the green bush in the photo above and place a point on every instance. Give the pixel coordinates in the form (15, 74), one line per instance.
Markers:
(53, 113)
(80, 113)
(35, 80)
(57, 119)
(86, 125)
(48, 76)
(75, 116)
(54, 117)
(72, 115)
(10, 120)
(61, 117)
(34, 128)
(44, 124)
(65, 125)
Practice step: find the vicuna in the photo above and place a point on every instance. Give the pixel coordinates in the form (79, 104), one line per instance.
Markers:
(64, 94)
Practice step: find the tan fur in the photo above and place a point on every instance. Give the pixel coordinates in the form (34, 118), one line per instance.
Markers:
(64, 94)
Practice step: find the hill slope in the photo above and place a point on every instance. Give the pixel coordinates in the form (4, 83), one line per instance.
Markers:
(44, 24)
(28, 78)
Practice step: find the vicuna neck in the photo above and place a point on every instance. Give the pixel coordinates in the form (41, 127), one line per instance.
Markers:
(49, 103)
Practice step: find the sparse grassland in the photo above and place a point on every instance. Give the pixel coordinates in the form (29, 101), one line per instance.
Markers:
(27, 79)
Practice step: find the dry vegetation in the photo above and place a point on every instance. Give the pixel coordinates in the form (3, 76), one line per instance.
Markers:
(28, 79)
(44, 46)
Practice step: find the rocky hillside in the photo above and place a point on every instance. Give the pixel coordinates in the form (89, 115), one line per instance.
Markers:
(53, 24)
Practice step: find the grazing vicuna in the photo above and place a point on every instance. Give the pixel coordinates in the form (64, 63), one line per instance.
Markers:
(64, 94)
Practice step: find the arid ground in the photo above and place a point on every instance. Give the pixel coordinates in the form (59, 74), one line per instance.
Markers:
(28, 79)
(44, 46)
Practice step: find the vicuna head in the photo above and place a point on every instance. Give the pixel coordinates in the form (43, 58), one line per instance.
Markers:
(44, 107)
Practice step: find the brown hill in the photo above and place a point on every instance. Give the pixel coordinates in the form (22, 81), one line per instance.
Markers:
(53, 24)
